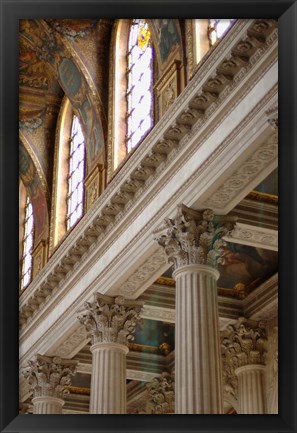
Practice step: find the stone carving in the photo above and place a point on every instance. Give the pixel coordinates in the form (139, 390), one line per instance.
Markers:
(238, 181)
(272, 370)
(194, 237)
(161, 395)
(243, 344)
(255, 236)
(110, 320)
(73, 342)
(49, 376)
(169, 95)
(272, 116)
(143, 274)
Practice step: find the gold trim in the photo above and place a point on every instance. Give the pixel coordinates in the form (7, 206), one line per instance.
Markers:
(190, 47)
(78, 390)
(263, 197)
(143, 348)
(165, 281)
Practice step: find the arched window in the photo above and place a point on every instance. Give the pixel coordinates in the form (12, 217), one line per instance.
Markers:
(139, 83)
(69, 174)
(27, 245)
(76, 170)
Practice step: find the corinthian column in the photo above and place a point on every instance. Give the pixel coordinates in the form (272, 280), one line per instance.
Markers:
(110, 323)
(192, 242)
(243, 350)
(48, 378)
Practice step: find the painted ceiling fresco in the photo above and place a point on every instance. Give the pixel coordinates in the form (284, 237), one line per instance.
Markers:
(155, 334)
(269, 185)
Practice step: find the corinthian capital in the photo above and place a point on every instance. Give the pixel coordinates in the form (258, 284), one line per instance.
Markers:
(194, 237)
(110, 320)
(160, 395)
(48, 376)
(243, 343)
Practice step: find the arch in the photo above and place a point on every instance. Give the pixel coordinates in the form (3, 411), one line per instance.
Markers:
(60, 193)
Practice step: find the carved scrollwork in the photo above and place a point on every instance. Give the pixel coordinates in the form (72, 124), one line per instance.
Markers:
(194, 237)
(243, 344)
(48, 376)
(110, 320)
(161, 395)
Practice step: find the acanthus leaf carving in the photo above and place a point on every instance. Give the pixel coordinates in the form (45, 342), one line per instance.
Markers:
(194, 237)
(244, 344)
(160, 395)
(48, 376)
(110, 320)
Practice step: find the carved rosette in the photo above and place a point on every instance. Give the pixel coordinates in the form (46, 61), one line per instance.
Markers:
(194, 237)
(111, 320)
(243, 344)
(161, 395)
(48, 376)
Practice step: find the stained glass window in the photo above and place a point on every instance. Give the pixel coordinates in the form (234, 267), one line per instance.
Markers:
(140, 83)
(217, 28)
(75, 174)
(27, 245)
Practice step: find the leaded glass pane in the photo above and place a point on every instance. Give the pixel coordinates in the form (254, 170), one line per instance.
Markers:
(140, 81)
(75, 174)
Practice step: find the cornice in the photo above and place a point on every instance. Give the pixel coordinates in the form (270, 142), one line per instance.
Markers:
(135, 185)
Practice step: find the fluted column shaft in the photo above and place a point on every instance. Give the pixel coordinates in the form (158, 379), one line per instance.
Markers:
(198, 382)
(251, 389)
(47, 405)
(108, 383)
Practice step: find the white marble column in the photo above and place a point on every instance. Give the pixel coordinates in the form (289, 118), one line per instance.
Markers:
(192, 242)
(251, 389)
(47, 405)
(48, 377)
(110, 323)
(243, 351)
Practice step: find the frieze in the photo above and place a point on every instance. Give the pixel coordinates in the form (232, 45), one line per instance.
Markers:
(151, 266)
(267, 153)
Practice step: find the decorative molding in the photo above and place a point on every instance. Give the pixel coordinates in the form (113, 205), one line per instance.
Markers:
(272, 115)
(110, 320)
(255, 236)
(73, 343)
(160, 395)
(194, 237)
(141, 375)
(48, 377)
(266, 154)
(243, 343)
(147, 271)
(158, 313)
